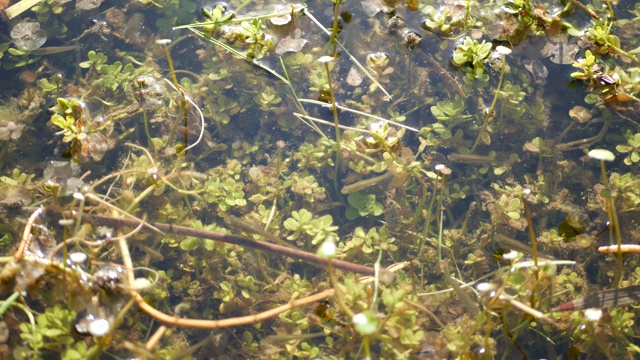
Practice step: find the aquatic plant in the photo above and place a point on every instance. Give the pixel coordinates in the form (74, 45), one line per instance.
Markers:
(361, 204)
(448, 167)
(471, 52)
(632, 148)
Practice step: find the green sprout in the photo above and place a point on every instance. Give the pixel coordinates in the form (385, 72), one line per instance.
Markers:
(362, 205)
(96, 60)
(52, 331)
(267, 98)
(365, 323)
(303, 222)
(632, 148)
(226, 193)
(451, 112)
(441, 21)
(368, 241)
(17, 178)
(471, 52)
(215, 17)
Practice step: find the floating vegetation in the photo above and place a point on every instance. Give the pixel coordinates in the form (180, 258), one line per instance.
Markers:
(28, 35)
(370, 179)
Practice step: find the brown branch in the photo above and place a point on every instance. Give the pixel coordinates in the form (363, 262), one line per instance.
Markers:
(26, 235)
(584, 8)
(212, 235)
(237, 321)
(239, 240)
(203, 323)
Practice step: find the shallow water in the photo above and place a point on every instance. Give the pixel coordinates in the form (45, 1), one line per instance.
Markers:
(444, 157)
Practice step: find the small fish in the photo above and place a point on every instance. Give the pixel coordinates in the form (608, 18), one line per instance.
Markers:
(468, 303)
(279, 339)
(251, 228)
(607, 298)
(471, 159)
(513, 244)
(363, 184)
(50, 50)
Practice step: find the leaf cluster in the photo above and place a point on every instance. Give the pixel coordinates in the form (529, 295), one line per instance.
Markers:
(472, 53)
(52, 331)
(362, 205)
(304, 222)
(632, 148)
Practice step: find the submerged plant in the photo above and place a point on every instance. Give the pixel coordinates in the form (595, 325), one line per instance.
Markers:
(82, 132)
(632, 148)
(52, 333)
(196, 240)
(471, 52)
(362, 205)
(303, 222)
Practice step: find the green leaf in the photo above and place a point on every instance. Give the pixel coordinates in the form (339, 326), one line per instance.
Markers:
(59, 121)
(514, 215)
(51, 332)
(361, 201)
(624, 148)
(365, 323)
(190, 243)
(291, 224)
(575, 32)
(16, 52)
(378, 209)
(209, 244)
(71, 354)
(351, 213)
(8, 181)
(305, 216)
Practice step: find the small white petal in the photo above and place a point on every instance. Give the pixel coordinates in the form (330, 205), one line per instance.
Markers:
(486, 286)
(503, 50)
(141, 283)
(601, 154)
(78, 257)
(325, 59)
(510, 255)
(593, 314)
(99, 327)
(359, 319)
(328, 248)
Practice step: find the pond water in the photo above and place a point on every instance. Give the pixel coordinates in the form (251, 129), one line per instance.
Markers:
(368, 179)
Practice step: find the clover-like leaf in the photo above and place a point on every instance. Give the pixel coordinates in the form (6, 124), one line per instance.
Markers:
(28, 35)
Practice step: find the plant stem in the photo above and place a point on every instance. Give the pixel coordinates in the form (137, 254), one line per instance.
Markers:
(421, 203)
(534, 249)
(334, 27)
(351, 57)
(337, 292)
(139, 198)
(236, 240)
(334, 109)
(7, 302)
(493, 104)
(146, 130)
(427, 224)
(183, 100)
(614, 229)
(532, 235)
